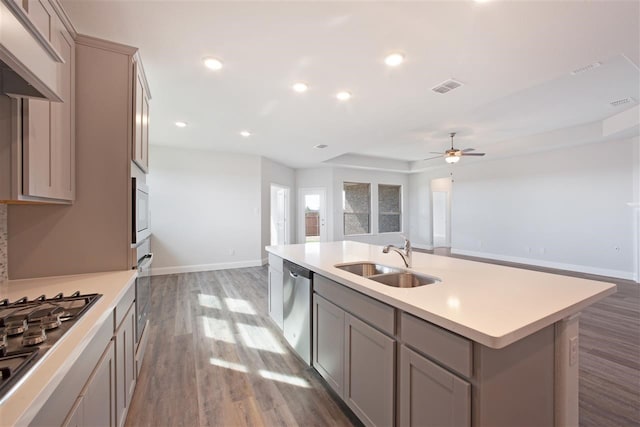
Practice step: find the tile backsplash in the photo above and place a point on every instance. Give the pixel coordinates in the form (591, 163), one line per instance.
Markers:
(3, 244)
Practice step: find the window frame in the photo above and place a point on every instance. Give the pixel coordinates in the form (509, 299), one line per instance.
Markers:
(369, 213)
(399, 213)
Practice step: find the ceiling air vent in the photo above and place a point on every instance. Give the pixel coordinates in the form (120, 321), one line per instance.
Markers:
(586, 68)
(623, 101)
(446, 86)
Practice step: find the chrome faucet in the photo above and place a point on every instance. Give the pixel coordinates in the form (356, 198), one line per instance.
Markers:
(405, 252)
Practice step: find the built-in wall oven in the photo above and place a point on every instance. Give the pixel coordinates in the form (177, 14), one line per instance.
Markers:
(141, 228)
(143, 286)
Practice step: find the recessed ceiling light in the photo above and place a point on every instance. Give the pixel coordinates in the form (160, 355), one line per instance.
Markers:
(300, 87)
(320, 146)
(212, 63)
(181, 124)
(343, 95)
(394, 59)
(245, 133)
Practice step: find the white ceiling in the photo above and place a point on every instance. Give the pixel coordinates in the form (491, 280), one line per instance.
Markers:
(514, 59)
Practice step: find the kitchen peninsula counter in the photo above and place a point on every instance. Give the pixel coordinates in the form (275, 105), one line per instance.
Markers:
(489, 304)
(21, 405)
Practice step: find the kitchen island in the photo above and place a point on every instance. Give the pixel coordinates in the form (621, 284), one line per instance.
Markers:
(505, 338)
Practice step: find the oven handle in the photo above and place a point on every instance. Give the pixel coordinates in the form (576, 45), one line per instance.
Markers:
(145, 261)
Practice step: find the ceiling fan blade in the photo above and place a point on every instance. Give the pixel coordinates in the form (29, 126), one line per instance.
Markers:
(466, 150)
(435, 152)
(472, 154)
(431, 158)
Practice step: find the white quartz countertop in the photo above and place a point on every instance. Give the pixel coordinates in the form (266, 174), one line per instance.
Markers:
(490, 304)
(23, 403)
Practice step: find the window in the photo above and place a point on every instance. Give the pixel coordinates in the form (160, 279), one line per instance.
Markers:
(389, 208)
(356, 204)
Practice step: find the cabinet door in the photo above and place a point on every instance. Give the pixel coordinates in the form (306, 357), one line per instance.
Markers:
(125, 365)
(276, 297)
(431, 395)
(141, 122)
(76, 416)
(48, 134)
(99, 400)
(328, 342)
(369, 371)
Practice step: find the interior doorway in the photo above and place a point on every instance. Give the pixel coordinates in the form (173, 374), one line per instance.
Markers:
(312, 224)
(279, 215)
(441, 212)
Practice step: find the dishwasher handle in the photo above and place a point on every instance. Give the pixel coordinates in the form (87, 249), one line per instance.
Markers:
(296, 271)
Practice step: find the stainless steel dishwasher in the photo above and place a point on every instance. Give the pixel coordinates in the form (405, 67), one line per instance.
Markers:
(297, 309)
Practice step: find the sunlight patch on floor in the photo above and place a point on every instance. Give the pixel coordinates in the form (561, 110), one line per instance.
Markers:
(229, 365)
(217, 329)
(239, 306)
(288, 379)
(260, 338)
(210, 301)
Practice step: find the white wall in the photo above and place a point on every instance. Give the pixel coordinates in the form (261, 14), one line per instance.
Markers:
(275, 173)
(564, 208)
(205, 210)
(341, 175)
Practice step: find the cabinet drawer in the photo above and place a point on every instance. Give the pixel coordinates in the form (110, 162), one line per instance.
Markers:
(446, 347)
(275, 262)
(378, 314)
(123, 306)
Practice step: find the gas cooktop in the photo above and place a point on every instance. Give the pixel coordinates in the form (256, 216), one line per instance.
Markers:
(29, 328)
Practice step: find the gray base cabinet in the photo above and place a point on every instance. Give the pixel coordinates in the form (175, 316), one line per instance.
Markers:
(328, 342)
(275, 291)
(369, 367)
(431, 395)
(125, 346)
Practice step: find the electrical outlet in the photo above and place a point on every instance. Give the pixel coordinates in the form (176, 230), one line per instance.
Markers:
(616, 248)
(527, 249)
(232, 251)
(573, 351)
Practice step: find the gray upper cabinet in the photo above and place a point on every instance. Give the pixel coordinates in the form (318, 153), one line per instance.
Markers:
(141, 98)
(431, 395)
(328, 342)
(369, 373)
(39, 155)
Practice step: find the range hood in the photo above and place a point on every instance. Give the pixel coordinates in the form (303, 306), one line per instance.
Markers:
(28, 62)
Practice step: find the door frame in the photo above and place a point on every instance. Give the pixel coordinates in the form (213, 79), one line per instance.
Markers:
(287, 211)
(443, 185)
(322, 192)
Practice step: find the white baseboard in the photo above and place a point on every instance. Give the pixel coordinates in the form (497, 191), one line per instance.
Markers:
(160, 271)
(422, 246)
(628, 275)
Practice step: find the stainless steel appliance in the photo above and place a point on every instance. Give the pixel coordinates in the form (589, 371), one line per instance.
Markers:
(143, 286)
(297, 309)
(29, 328)
(141, 228)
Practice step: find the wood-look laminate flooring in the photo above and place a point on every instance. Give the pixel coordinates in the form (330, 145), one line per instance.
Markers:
(214, 358)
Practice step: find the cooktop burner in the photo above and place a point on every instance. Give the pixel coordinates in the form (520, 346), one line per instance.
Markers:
(29, 328)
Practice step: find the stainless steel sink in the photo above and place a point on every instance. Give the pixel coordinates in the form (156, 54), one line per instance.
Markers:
(367, 269)
(405, 279)
(390, 276)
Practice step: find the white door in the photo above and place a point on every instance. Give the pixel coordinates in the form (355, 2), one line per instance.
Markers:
(441, 212)
(279, 215)
(312, 213)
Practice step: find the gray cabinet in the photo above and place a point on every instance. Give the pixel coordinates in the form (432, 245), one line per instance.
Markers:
(328, 342)
(96, 404)
(354, 356)
(369, 372)
(275, 291)
(38, 136)
(141, 98)
(125, 345)
(431, 395)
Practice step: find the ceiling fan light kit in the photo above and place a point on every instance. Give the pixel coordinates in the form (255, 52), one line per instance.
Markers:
(453, 155)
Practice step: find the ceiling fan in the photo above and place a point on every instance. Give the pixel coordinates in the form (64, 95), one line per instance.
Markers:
(452, 155)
